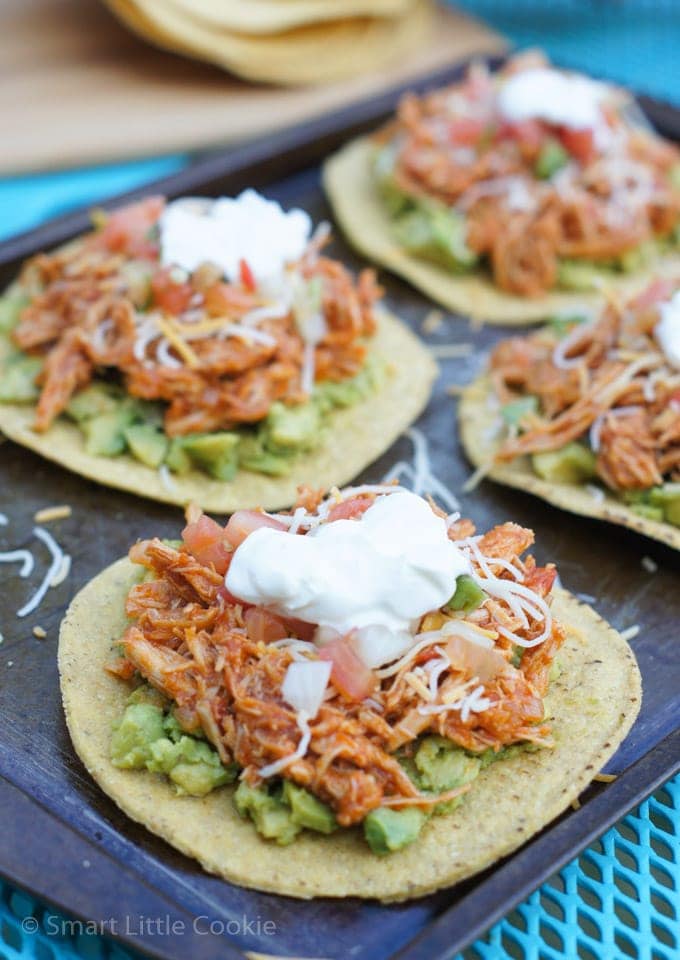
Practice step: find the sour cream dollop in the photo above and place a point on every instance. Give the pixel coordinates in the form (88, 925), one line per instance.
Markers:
(667, 330)
(387, 569)
(225, 231)
(564, 99)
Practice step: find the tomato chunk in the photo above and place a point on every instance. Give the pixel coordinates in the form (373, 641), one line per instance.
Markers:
(128, 230)
(529, 133)
(207, 541)
(247, 276)
(659, 290)
(223, 298)
(263, 626)
(466, 132)
(168, 294)
(579, 143)
(244, 522)
(350, 508)
(349, 675)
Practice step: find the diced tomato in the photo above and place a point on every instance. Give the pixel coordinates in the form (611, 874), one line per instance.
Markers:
(169, 295)
(128, 230)
(530, 133)
(247, 276)
(675, 397)
(659, 290)
(466, 132)
(263, 626)
(579, 143)
(223, 298)
(350, 508)
(207, 541)
(244, 522)
(349, 675)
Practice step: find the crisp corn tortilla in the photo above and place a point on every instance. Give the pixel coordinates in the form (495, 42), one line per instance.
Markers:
(479, 422)
(311, 54)
(360, 212)
(354, 438)
(591, 707)
(274, 16)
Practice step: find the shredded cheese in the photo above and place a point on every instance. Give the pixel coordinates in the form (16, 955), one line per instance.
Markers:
(170, 333)
(53, 513)
(25, 557)
(631, 633)
(57, 555)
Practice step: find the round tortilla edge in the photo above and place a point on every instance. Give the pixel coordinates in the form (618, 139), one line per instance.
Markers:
(358, 209)
(356, 436)
(477, 417)
(593, 704)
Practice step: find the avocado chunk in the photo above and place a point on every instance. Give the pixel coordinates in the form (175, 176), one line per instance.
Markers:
(513, 413)
(105, 433)
(444, 766)
(192, 765)
(394, 198)
(291, 429)
(17, 379)
(133, 735)
(387, 830)
(667, 498)
(11, 306)
(436, 234)
(467, 596)
(146, 738)
(254, 456)
(145, 693)
(308, 811)
(216, 453)
(649, 512)
(272, 818)
(147, 444)
(572, 463)
(332, 394)
(552, 158)
(93, 401)
(578, 275)
(177, 459)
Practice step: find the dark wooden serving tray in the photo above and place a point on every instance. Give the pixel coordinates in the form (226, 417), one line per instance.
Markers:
(67, 842)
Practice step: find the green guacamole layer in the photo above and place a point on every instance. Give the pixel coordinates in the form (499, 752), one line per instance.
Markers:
(433, 231)
(148, 737)
(113, 423)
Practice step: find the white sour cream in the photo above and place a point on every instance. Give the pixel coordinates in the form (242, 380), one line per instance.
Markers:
(225, 231)
(387, 569)
(667, 330)
(565, 99)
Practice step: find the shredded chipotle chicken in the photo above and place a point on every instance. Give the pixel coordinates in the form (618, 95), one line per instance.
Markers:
(606, 382)
(223, 663)
(217, 354)
(534, 193)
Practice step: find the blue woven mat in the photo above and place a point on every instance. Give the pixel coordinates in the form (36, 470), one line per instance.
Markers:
(621, 898)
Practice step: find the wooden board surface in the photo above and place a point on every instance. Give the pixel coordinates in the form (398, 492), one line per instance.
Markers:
(76, 88)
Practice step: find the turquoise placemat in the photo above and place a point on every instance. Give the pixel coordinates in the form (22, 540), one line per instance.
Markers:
(621, 897)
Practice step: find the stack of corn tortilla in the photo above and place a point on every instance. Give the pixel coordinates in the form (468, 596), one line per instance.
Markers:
(284, 41)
